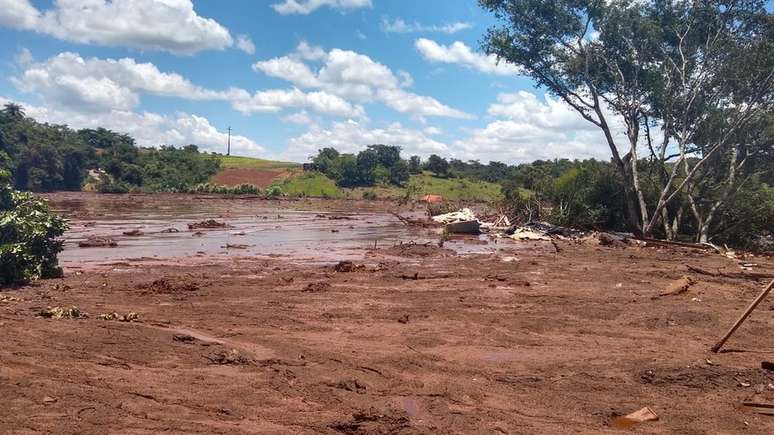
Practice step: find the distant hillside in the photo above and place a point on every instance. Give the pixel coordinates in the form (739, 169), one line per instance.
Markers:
(315, 184)
(247, 170)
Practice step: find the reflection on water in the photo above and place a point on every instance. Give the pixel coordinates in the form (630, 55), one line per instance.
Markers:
(265, 228)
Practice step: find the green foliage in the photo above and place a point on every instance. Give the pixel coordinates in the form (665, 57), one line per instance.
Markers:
(43, 157)
(274, 192)
(241, 189)
(437, 165)
(747, 221)
(414, 165)
(369, 195)
(28, 232)
(175, 169)
(377, 164)
(588, 196)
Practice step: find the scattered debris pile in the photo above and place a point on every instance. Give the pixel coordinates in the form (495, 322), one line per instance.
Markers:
(459, 222)
(63, 313)
(129, 317)
(208, 224)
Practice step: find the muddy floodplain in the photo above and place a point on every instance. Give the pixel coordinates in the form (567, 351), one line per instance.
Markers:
(327, 319)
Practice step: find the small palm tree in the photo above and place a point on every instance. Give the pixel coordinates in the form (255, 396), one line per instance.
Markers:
(13, 110)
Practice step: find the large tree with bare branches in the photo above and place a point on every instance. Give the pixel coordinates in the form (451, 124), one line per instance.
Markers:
(683, 78)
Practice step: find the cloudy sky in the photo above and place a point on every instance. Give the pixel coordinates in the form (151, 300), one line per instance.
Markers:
(288, 76)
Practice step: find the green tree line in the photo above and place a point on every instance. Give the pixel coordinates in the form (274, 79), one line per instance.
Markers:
(42, 157)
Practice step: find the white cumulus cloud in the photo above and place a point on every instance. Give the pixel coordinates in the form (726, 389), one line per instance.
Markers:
(305, 7)
(351, 137)
(398, 25)
(93, 84)
(353, 75)
(244, 43)
(460, 54)
(159, 25)
(528, 127)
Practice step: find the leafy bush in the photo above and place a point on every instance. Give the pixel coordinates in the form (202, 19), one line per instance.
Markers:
(274, 192)
(369, 195)
(28, 232)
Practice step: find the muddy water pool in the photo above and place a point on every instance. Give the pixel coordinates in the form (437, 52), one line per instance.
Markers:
(309, 231)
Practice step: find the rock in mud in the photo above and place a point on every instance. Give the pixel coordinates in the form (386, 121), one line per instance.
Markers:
(607, 239)
(372, 421)
(5, 299)
(183, 338)
(170, 231)
(166, 286)
(352, 385)
(347, 266)
(314, 287)
(134, 233)
(231, 357)
(98, 242)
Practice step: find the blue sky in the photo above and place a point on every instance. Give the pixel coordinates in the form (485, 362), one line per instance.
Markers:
(289, 77)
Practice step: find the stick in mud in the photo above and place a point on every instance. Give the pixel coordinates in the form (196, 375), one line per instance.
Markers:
(743, 317)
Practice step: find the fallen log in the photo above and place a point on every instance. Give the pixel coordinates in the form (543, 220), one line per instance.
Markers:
(699, 246)
(733, 275)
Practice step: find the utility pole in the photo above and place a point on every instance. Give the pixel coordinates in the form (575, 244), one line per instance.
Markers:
(228, 152)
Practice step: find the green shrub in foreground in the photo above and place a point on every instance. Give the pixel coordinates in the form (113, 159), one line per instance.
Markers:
(28, 237)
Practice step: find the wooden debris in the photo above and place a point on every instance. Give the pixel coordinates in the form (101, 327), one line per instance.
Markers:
(743, 317)
(636, 417)
(678, 286)
(736, 275)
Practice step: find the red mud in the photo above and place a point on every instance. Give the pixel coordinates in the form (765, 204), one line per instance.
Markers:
(529, 341)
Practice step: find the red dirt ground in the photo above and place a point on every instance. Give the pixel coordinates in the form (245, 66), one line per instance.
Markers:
(262, 178)
(418, 341)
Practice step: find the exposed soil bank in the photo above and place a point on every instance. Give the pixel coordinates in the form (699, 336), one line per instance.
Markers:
(524, 340)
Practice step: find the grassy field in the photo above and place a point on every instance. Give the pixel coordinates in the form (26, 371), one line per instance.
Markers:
(318, 185)
(311, 184)
(234, 162)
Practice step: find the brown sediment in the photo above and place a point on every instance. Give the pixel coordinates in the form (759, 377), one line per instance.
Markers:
(277, 346)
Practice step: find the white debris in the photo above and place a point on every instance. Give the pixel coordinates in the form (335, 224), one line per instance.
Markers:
(527, 234)
(464, 215)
